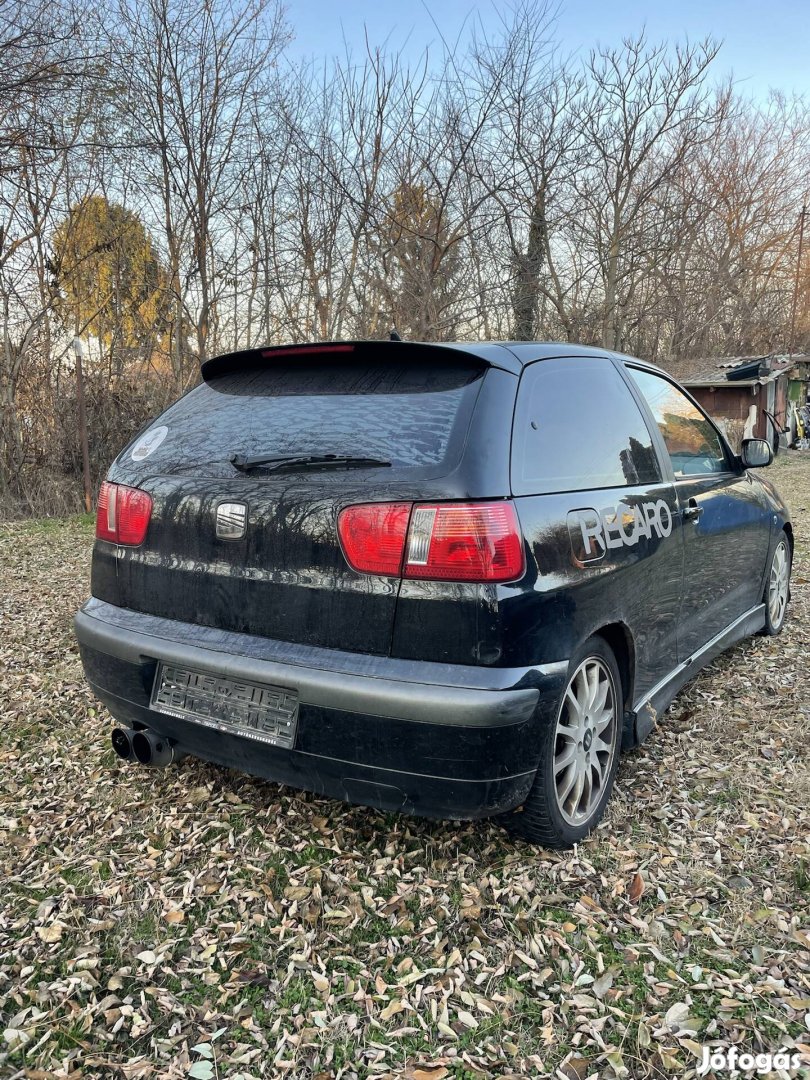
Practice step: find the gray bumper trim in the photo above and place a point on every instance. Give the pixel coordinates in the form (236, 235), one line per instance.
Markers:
(371, 694)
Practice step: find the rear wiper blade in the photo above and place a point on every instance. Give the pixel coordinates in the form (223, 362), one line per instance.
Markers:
(311, 461)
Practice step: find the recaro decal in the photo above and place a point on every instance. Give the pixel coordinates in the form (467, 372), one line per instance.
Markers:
(594, 532)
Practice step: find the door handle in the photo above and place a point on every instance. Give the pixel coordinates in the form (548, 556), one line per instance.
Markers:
(692, 511)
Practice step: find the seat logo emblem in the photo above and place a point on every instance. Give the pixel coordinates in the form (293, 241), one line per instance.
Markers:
(231, 521)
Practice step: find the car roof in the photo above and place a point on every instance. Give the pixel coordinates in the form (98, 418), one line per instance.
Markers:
(512, 356)
(515, 355)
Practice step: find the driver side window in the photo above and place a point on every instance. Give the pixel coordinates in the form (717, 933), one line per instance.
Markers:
(691, 439)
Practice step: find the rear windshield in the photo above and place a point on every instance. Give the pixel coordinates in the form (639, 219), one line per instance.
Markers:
(414, 416)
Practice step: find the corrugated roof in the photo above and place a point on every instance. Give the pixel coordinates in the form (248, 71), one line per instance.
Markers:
(730, 370)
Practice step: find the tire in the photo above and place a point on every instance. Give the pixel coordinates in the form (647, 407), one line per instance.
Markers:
(551, 816)
(777, 587)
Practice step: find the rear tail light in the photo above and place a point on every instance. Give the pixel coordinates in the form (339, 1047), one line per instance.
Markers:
(466, 542)
(123, 514)
(440, 542)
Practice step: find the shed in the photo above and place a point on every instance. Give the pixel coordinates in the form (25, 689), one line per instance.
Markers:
(799, 386)
(744, 394)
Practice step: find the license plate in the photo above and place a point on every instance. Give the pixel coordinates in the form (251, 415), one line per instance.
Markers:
(268, 714)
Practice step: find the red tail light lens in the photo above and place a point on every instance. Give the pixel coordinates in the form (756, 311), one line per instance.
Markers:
(441, 542)
(123, 514)
(465, 542)
(373, 537)
(134, 512)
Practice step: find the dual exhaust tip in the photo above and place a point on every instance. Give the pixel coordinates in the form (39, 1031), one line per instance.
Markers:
(144, 746)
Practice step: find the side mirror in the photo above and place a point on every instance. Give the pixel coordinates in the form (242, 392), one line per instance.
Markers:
(756, 453)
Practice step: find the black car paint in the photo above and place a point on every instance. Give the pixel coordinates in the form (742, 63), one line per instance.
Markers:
(667, 604)
(671, 595)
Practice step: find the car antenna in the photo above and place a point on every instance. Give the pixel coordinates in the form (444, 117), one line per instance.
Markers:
(394, 336)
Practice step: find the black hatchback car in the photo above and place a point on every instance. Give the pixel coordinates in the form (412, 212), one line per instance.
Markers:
(454, 580)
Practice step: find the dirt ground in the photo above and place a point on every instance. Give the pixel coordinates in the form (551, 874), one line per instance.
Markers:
(194, 922)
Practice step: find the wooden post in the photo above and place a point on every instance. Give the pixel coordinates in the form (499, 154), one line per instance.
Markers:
(88, 498)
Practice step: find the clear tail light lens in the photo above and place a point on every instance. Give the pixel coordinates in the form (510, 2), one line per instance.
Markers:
(122, 514)
(105, 513)
(437, 541)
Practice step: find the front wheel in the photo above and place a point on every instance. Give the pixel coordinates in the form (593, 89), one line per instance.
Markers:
(777, 588)
(580, 754)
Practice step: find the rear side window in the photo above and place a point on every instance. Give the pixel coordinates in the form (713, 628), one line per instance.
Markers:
(692, 442)
(414, 416)
(577, 427)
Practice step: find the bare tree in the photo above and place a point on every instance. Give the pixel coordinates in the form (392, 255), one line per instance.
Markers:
(46, 94)
(193, 68)
(648, 108)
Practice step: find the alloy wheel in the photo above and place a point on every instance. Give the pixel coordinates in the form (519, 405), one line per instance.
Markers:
(585, 741)
(778, 584)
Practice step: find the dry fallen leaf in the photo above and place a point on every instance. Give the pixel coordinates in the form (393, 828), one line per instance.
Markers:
(603, 984)
(391, 1009)
(297, 892)
(575, 1068)
(676, 1015)
(50, 933)
(424, 1072)
(636, 890)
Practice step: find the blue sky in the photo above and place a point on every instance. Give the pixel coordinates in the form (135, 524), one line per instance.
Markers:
(766, 43)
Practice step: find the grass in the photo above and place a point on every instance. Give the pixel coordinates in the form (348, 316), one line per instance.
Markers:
(84, 523)
(801, 875)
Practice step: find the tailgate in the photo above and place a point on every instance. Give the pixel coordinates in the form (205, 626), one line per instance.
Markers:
(286, 577)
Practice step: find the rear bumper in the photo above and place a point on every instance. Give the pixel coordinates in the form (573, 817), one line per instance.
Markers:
(439, 740)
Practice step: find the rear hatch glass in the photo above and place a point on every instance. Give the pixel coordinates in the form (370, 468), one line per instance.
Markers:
(411, 415)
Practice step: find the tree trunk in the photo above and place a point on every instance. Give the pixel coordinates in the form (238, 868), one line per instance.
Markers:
(525, 297)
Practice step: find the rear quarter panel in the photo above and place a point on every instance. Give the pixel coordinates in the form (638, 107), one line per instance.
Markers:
(568, 593)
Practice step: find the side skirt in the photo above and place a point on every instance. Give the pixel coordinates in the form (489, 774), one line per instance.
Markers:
(643, 717)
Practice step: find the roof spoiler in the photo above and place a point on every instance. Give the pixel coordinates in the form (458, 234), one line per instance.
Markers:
(263, 357)
(253, 358)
